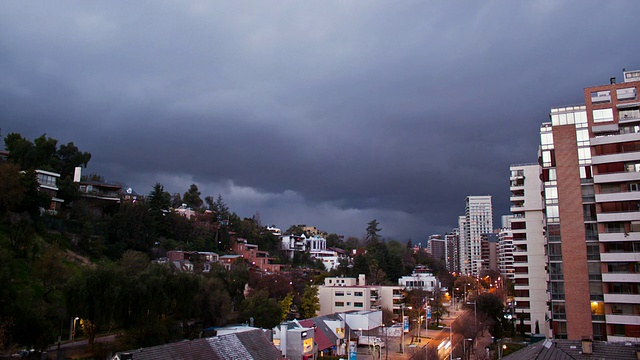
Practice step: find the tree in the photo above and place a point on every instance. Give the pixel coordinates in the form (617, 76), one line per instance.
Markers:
(438, 310)
(214, 302)
(221, 208)
(159, 199)
(71, 157)
(372, 232)
(310, 303)
(285, 304)
(11, 188)
(192, 197)
(295, 230)
(334, 240)
(20, 233)
(176, 200)
(351, 243)
(491, 308)
(33, 199)
(264, 311)
(133, 226)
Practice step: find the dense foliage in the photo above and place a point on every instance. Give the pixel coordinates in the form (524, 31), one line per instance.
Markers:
(99, 266)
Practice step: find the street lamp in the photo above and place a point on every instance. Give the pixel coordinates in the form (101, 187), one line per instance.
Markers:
(386, 342)
(72, 329)
(475, 319)
(403, 324)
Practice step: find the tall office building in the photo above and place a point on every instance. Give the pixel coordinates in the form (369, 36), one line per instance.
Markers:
(478, 220)
(528, 242)
(590, 157)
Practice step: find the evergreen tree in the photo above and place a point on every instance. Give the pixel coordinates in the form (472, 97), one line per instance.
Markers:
(192, 197)
(372, 232)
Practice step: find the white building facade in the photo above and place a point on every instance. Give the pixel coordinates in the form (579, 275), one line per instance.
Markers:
(478, 220)
(529, 260)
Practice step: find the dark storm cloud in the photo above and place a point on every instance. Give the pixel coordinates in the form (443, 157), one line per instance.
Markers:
(325, 113)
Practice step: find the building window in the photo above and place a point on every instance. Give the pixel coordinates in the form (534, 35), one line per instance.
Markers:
(357, 293)
(602, 115)
(339, 303)
(626, 94)
(358, 305)
(603, 96)
(339, 293)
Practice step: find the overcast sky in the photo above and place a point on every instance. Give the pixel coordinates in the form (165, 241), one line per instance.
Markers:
(325, 113)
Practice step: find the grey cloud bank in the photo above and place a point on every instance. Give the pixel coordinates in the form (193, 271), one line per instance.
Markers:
(324, 113)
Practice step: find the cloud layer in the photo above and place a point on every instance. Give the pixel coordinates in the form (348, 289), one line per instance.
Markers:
(324, 113)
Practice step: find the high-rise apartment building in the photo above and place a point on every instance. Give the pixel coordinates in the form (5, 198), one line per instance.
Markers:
(528, 244)
(437, 247)
(590, 157)
(452, 240)
(478, 220)
(505, 253)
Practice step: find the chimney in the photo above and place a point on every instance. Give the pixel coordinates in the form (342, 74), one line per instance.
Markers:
(587, 346)
(77, 174)
(361, 280)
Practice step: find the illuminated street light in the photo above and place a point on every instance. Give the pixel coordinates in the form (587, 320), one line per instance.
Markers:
(72, 329)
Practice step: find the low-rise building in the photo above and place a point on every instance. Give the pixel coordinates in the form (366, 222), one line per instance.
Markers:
(198, 261)
(255, 257)
(421, 278)
(48, 183)
(295, 341)
(342, 294)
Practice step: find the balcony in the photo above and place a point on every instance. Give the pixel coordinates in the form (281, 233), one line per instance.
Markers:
(616, 177)
(619, 216)
(613, 158)
(620, 277)
(516, 198)
(600, 97)
(619, 236)
(622, 298)
(614, 139)
(621, 257)
(620, 196)
(623, 319)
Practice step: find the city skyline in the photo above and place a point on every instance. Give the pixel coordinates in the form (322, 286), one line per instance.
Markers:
(326, 114)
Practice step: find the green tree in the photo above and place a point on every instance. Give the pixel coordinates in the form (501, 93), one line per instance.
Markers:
(221, 208)
(11, 188)
(335, 240)
(264, 311)
(438, 310)
(295, 230)
(310, 303)
(159, 199)
(90, 296)
(33, 199)
(490, 308)
(20, 233)
(70, 157)
(192, 197)
(133, 226)
(285, 304)
(214, 302)
(372, 232)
